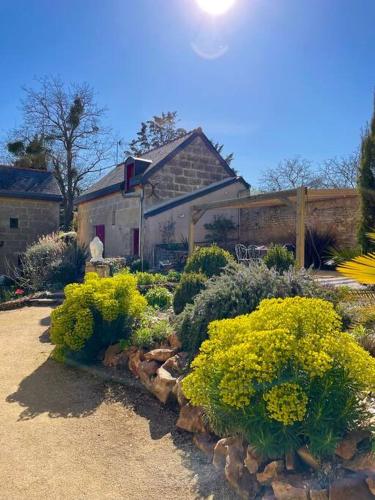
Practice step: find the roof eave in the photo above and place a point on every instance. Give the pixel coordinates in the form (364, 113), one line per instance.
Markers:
(194, 195)
(31, 196)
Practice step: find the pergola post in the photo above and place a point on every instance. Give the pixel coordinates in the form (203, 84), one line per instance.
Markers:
(191, 232)
(300, 226)
(195, 215)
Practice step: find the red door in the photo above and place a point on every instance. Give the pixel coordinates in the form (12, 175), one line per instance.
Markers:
(136, 241)
(100, 233)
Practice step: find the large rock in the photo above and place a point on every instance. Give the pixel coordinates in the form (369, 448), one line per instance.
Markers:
(252, 460)
(371, 484)
(147, 371)
(176, 364)
(347, 448)
(163, 384)
(236, 473)
(221, 451)
(285, 491)
(205, 442)
(114, 356)
(308, 458)
(179, 393)
(318, 494)
(174, 341)
(290, 461)
(271, 472)
(159, 355)
(191, 419)
(362, 463)
(350, 488)
(136, 356)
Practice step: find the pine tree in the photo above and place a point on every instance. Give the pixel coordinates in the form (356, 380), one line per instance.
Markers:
(366, 187)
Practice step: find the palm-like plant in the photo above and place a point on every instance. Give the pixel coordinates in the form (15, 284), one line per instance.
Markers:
(361, 268)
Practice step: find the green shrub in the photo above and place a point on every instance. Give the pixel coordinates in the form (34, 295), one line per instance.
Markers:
(341, 255)
(146, 279)
(283, 377)
(239, 290)
(174, 276)
(208, 260)
(52, 262)
(280, 258)
(136, 265)
(116, 264)
(190, 285)
(95, 314)
(152, 332)
(159, 297)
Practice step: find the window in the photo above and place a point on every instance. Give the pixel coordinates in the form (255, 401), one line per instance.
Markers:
(13, 223)
(129, 175)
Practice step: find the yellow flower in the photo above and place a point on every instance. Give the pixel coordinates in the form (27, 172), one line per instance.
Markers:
(286, 403)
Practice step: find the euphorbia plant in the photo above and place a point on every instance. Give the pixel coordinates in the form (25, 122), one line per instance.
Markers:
(282, 377)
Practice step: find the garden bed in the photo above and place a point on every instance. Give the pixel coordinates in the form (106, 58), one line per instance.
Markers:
(298, 475)
(278, 391)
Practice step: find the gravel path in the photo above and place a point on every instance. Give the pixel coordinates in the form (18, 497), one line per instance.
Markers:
(65, 434)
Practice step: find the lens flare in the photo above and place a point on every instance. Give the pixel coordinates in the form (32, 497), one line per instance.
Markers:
(215, 7)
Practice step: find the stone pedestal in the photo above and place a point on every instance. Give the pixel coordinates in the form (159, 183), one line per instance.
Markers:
(100, 268)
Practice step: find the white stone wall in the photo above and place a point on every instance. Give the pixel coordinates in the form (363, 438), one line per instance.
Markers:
(119, 214)
(180, 215)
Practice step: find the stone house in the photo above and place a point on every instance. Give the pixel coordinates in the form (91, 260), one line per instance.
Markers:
(145, 201)
(29, 208)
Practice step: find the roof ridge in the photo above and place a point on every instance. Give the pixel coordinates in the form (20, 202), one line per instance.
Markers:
(27, 169)
(173, 140)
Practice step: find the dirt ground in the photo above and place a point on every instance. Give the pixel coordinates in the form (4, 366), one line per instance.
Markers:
(66, 434)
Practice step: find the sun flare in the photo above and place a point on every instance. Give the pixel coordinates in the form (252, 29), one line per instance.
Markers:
(215, 7)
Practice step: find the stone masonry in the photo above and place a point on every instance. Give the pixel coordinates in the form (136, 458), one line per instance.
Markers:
(277, 224)
(192, 168)
(35, 218)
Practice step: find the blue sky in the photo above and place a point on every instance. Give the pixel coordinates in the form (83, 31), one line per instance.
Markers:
(270, 79)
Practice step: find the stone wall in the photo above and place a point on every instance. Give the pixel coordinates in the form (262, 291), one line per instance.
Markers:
(192, 168)
(35, 218)
(119, 214)
(277, 224)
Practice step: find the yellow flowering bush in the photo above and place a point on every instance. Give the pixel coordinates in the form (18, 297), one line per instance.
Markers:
(283, 376)
(95, 314)
(286, 403)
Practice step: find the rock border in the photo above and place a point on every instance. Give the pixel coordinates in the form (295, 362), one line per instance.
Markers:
(38, 299)
(295, 476)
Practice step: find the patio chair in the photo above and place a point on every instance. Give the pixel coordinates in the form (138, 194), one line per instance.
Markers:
(253, 253)
(241, 253)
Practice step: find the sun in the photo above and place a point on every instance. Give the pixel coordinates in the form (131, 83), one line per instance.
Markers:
(215, 7)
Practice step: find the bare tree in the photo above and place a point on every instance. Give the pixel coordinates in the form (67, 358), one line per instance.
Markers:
(290, 173)
(340, 172)
(69, 120)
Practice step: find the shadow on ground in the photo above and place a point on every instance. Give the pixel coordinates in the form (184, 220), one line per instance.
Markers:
(57, 390)
(66, 392)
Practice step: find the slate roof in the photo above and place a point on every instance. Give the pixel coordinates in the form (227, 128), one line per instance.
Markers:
(114, 180)
(185, 198)
(28, 183)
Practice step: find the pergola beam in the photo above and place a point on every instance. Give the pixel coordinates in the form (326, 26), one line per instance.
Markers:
(292, 197)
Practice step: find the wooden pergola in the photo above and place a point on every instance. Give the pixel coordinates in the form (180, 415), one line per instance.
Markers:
(296, 198)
